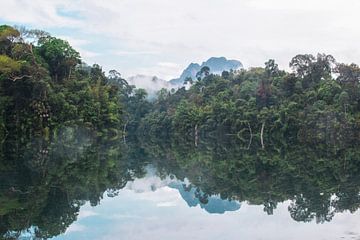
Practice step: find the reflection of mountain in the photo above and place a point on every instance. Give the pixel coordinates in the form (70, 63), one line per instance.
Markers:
(211, 204)
(216, 64)
(193, 196)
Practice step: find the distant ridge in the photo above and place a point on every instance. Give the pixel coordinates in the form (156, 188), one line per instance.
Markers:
(216, 64)
(153, 84)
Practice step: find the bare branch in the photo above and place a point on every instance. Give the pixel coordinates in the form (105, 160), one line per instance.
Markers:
(19, 77)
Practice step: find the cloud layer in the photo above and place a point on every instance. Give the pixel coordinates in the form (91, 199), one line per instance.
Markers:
(138, 36)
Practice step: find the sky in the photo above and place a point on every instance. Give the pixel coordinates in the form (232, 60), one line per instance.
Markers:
(161, 37)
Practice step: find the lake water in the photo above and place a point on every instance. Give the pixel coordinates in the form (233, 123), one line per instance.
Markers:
(75, 186)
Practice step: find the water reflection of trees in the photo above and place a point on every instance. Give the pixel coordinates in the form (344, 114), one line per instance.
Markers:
(320, 181)
(45, 182)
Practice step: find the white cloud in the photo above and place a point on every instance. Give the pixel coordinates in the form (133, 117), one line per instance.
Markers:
(127, 216)
(36, 12)
(166, 204)
(168, 65)
(150, 183)
(308, 5)
(125, 53)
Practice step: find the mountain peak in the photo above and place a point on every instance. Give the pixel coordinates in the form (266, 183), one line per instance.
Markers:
(193, 65)
(216, 64)
(212, 59)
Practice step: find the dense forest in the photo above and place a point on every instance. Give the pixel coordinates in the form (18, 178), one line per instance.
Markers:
(318, 102)
(44, 85)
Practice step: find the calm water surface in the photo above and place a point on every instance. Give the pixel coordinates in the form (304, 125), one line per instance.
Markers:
(75, 186)
(154, 209)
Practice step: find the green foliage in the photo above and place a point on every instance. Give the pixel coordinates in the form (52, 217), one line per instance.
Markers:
(45, 86)
(308, 104)
(59, 56)
(8, 35)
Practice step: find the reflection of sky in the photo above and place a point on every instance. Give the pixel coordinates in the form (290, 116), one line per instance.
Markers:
(149, 209)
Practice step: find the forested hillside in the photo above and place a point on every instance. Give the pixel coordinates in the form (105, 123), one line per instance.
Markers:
(319, 100)
(44, 84)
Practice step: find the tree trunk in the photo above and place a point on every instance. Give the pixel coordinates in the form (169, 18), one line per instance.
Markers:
(32, 54)
(262, 135)
(124, 131)
(251, 136)
(196, 135)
